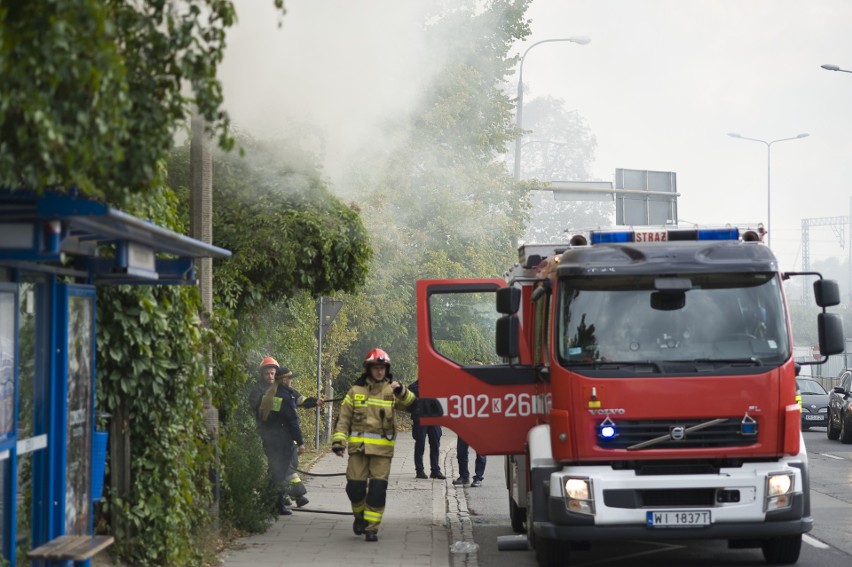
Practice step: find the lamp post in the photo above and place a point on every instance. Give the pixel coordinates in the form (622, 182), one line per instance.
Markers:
(768, 173)
(829, 67)
(519, 113)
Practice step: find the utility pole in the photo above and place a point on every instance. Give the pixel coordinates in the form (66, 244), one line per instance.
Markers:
(327, 309)
(201, 228)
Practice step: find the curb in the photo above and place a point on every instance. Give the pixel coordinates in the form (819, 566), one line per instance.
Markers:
(458, 515)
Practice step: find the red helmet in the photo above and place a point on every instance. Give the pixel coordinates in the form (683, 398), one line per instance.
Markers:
(268, 361)
(376, 356)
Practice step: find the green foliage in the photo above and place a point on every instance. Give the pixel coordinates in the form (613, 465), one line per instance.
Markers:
(151, 366)
(93, 90)
(248, 495)
(285, 229)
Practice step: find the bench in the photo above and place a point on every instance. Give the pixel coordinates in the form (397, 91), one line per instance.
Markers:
(71, 548)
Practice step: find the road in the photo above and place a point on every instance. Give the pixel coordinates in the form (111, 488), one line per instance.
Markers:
(829, 544)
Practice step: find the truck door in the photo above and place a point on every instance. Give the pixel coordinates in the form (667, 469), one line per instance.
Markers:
(489, 403)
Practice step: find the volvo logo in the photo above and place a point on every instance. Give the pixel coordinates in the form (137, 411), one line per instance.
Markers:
(607, 411)
(678, 433)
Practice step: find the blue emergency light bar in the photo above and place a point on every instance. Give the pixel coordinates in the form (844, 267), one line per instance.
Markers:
(663, 235)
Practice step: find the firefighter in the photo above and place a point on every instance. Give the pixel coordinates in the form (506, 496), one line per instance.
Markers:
(295, 488)
(278, 425)
(366, 424)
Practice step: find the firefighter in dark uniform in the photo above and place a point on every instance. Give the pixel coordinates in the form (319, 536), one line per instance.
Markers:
(366, 424)
(295, 488)
(279, 428)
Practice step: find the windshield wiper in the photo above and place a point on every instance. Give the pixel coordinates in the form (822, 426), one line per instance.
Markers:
(603, 365)
(749, 361)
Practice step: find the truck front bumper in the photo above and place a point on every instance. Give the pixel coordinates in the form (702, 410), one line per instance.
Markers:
(735, 499)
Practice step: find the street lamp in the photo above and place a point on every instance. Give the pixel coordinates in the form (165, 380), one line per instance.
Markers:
(829, 67)
(768, 172)
(581, 40)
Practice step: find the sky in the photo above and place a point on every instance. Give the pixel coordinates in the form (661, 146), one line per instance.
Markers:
(661, 84)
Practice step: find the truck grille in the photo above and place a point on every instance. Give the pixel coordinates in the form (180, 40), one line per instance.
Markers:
(729, 433)
(633, 499)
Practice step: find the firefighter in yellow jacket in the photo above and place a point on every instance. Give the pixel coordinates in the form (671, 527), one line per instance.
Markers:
(366, 424)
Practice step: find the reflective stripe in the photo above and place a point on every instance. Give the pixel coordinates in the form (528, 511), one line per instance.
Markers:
(372, 516)
(346, 400)
(357, 508)
(338, 436)
(367, 435)
(371, 441)
(381, 403)
(409, 397)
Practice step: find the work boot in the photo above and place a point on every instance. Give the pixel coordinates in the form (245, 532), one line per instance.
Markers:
(420, 474)
(282, 505)
(439, 475)
(371, 536)
(359, 525)
(301, 501)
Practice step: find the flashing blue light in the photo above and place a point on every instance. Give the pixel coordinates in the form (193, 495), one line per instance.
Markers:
(611, 237)
(607, 431)
(718, 234)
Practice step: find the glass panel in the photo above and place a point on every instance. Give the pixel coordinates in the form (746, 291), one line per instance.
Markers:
(463, 326)
(7, 364)
(2, 512)
(78, 474)
(721, 317)
(26, 358)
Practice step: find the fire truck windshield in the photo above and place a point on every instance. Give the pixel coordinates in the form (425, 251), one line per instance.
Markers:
(708, 318)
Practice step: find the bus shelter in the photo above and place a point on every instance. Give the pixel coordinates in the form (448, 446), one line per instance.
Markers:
(55, 249)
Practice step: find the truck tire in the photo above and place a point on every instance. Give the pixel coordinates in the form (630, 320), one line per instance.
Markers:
(551, 553)
(830, 431)
(782, 550)
(845, 429)
(517, 516)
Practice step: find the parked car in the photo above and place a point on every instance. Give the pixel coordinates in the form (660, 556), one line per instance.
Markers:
(840, 409)
(814, 403)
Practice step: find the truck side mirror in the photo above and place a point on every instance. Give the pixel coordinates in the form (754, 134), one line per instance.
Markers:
(830, 329)
(508, 335)
(826, 293)
(508, 300)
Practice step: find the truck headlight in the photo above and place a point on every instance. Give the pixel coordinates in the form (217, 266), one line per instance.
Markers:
(579, 496)
(778, 489)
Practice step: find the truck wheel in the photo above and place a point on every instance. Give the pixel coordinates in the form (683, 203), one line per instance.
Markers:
(551, 553)
(832, 433)
(782, 550)
(517, 516)
(845, 429)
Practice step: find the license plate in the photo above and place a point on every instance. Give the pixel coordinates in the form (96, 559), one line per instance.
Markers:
(678, 518)
(814, 418)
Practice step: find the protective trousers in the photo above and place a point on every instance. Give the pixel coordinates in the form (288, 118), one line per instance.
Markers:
(368, 503)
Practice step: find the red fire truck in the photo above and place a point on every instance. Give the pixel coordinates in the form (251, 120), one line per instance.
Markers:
(642, 387)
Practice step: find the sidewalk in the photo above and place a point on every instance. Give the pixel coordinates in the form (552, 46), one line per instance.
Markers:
(415, 530)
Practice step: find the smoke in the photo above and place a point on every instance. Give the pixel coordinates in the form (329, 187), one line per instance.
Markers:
(337, 76)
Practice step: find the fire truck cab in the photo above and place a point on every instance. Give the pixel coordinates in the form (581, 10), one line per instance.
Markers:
(642, 387)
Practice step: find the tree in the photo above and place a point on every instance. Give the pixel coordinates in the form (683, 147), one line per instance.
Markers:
(559, 146)
(285, 229)
(444, 204)
(94, 90)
